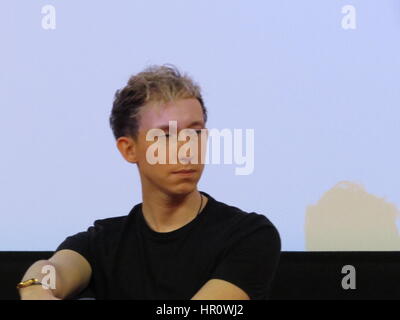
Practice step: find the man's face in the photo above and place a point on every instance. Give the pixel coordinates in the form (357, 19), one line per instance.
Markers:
(187, 114)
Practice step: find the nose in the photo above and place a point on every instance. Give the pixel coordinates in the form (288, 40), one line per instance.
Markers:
(185, 159)
(187, 152)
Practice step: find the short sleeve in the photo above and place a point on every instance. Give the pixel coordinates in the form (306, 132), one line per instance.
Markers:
(251, 259)
(81, 243)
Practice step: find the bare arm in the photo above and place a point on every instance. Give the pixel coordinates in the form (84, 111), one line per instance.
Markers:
(217, 289)
(72, 271)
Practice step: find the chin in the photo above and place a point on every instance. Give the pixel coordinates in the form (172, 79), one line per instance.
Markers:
(183, 189)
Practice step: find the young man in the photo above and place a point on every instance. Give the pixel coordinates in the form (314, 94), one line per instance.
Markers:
(179, 243)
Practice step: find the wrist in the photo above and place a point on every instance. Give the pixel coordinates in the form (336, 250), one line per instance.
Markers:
(34, 291)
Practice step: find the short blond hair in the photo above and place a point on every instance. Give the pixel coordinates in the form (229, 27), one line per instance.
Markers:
(163, 83)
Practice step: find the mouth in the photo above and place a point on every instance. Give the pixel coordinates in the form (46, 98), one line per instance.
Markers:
(185, 172)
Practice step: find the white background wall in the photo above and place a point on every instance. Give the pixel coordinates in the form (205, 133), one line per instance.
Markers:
(324, 103)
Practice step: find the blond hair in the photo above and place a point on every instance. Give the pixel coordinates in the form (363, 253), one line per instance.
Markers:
(155, 83)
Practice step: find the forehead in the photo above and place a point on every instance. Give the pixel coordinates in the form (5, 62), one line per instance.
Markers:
(158, 114)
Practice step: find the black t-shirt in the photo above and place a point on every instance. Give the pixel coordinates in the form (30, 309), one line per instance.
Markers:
(130, 260)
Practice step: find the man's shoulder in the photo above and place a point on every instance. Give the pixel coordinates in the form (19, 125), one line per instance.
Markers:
(112, 224)
(227, 211)
(235, 218)
(250, 229)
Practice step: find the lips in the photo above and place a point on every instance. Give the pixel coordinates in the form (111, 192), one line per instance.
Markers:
(185, 171)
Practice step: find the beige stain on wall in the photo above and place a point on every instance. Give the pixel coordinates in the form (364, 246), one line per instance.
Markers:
(348, 218)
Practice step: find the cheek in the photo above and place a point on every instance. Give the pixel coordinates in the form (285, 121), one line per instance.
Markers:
(149, 153)
(149, 167)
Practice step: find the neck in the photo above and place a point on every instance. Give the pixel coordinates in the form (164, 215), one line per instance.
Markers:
(164, 212)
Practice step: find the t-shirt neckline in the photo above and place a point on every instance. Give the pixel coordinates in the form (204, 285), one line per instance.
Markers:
(175, 233)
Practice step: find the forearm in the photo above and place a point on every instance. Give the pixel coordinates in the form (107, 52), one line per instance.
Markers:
(36, 271)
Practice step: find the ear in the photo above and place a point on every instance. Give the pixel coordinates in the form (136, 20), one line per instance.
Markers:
(127, 146)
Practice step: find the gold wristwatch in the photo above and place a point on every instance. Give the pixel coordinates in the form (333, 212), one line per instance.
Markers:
(27, 283)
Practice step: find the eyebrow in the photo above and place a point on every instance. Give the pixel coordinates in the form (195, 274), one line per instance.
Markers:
(194, 123)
